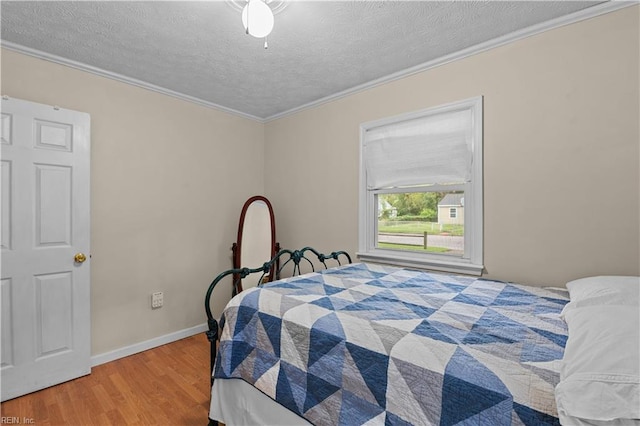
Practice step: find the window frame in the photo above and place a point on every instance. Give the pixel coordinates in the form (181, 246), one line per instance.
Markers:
(472, 260)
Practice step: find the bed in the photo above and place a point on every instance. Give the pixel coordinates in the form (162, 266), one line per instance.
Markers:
(370, 344)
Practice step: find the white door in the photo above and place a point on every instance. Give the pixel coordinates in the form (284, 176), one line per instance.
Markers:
(45, 224)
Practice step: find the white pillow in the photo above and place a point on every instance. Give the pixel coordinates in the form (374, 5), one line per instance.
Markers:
(603, 290)
(600, 373)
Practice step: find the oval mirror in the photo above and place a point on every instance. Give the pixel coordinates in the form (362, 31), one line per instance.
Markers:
(256, 242)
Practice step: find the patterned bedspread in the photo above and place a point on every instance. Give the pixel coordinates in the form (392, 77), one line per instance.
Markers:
(381, 345)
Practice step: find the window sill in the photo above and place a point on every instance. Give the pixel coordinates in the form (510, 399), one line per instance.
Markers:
(410, 260)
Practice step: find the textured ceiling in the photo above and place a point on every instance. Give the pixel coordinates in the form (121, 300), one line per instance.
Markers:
(317, 48)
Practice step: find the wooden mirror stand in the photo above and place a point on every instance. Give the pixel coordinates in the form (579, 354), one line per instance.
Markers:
(256, 242)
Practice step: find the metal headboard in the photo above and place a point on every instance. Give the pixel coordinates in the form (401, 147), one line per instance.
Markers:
(284, 260)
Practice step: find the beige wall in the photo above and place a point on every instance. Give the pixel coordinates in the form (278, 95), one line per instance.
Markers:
(164, 207)
(561, 128)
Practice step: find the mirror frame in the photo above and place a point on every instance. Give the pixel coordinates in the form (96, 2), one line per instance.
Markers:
(237, 246)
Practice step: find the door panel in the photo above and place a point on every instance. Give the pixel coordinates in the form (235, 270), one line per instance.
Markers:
(5, 128)
(5, 188)
(7, 324)
(54, 304)
(51, 135)
(53, 205)
(45, 222)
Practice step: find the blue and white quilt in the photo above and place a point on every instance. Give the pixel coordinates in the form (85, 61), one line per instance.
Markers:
(371, 344)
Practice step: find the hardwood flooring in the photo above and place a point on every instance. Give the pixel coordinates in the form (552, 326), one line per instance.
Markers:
(167, 385)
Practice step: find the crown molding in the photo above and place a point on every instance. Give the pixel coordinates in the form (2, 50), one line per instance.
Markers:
(591, 12)
(122, 78)
(600, 9)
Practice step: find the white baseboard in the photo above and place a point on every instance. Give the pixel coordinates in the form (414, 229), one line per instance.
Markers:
(147, 344)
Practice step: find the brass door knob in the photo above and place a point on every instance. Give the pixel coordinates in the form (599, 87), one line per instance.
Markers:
(80, 257)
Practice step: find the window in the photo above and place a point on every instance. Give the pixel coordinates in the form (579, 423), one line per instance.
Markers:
(421, 189)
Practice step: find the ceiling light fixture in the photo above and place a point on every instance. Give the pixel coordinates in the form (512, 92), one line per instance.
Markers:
(258, 16)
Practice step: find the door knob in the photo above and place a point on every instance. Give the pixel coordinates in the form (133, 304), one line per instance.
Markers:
(80, 257)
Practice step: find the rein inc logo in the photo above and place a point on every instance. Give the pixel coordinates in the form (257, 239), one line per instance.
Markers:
(6, 420)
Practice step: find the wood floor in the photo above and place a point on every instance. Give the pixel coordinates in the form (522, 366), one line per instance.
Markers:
(168, 385)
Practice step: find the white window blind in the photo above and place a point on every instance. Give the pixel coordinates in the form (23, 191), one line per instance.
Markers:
(436, 149)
